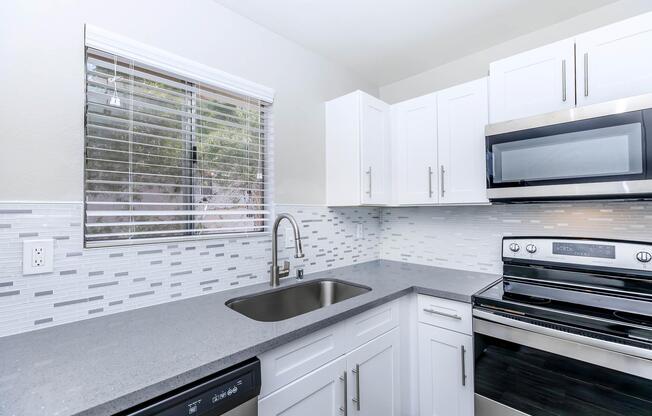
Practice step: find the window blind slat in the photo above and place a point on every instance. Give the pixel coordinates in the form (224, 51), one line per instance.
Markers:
(243, 136)
(211, 147)
(137, 108)
(104, 150)
(168, 157)
(177, 231)
(171, 212)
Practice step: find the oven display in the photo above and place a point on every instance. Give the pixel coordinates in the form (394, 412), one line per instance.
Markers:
(602, 251)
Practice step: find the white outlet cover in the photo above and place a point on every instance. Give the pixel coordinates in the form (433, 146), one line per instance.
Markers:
(46, 258)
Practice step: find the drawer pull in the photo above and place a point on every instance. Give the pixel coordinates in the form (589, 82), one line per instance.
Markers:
(356, 399)
(463, 365)
(448, 315)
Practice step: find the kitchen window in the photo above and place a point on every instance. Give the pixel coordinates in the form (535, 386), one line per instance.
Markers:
(168, 157)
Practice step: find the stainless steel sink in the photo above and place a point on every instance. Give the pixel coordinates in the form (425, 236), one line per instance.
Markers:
(280, 304)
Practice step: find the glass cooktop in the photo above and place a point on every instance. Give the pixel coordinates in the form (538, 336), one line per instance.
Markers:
(607, 323)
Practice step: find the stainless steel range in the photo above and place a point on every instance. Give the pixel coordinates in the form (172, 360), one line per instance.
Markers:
(568, 331)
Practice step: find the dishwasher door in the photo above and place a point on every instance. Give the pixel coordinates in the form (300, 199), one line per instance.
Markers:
(248, 408)
(231, 392)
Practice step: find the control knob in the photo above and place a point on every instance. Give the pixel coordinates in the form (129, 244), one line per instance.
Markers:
(514, 247)
(643, 256)
(531, 248)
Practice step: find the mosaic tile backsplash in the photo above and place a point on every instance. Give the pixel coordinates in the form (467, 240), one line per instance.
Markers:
(469, 237)
(93, 282)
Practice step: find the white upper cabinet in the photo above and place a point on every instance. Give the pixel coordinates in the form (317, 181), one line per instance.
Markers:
(533, 82)
(461, 117)
(415, 150)
(357, 151)
(376, 167)
(615, 61)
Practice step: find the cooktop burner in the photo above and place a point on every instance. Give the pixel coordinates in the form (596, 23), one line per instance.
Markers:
(634, 318)
(530, 300)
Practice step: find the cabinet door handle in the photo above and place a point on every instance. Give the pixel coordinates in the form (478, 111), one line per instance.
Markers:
(448, 315)
(463, 366)
(443, 171)
(369, 173)
(563, 80)
(356, 399)
(429, 181)
(586, 74)
(345, 408)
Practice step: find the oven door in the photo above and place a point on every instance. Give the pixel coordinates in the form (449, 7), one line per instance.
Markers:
(599, 157)
(525, 369)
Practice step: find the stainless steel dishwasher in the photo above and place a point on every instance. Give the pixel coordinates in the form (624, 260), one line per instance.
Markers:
(231, 392)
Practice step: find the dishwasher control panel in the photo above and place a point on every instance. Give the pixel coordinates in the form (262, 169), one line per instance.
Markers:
(209, 397)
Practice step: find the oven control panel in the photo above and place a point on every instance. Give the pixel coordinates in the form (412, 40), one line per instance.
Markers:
(605, 253)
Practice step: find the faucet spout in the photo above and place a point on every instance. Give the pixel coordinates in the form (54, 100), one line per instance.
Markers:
(276, 272)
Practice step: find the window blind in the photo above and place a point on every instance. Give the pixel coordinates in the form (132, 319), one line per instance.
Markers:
(170, 158)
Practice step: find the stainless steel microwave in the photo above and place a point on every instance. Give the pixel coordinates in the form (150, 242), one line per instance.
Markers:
(602, 151)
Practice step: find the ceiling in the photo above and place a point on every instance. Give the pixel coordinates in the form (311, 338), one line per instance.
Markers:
(388, 40)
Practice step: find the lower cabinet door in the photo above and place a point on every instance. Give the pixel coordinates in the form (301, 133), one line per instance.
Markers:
(445, 372)
(374, 377)
(320, 393)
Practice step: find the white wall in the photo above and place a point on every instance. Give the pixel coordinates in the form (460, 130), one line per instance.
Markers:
(42, 86)
(477, 65)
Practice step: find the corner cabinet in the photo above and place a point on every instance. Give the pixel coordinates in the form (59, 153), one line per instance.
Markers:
(358, 160)
(414, 136)
(534, 82)
(440, 146)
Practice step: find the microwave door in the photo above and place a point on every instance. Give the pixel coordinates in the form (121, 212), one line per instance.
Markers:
(597, 157)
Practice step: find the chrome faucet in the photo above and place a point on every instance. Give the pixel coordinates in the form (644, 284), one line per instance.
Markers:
(276, 272)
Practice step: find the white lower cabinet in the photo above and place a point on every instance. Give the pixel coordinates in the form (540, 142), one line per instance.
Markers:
(350, 368)
(320, 393)
(445, 372)
(364, 382)
(374, 377)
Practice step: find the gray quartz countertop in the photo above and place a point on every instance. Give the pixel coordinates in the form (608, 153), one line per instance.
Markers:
(108, 364)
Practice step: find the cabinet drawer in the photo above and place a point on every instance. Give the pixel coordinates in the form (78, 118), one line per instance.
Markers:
(295, 359)
(370, 324)
(444, 313)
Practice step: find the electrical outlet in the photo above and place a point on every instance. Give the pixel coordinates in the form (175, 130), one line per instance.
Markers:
(38, 256)
(289, 238)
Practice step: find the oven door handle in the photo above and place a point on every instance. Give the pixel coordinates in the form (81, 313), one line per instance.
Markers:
(625, 358)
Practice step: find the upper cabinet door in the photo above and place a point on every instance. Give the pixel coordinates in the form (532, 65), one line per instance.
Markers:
(462, 117)
(415, 144)
(614, 61)
(375, 158)
(534, 82)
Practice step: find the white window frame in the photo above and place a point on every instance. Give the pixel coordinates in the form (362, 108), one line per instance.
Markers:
(124, 47)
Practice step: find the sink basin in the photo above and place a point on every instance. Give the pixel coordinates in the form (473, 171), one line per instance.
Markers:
(280, 304)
